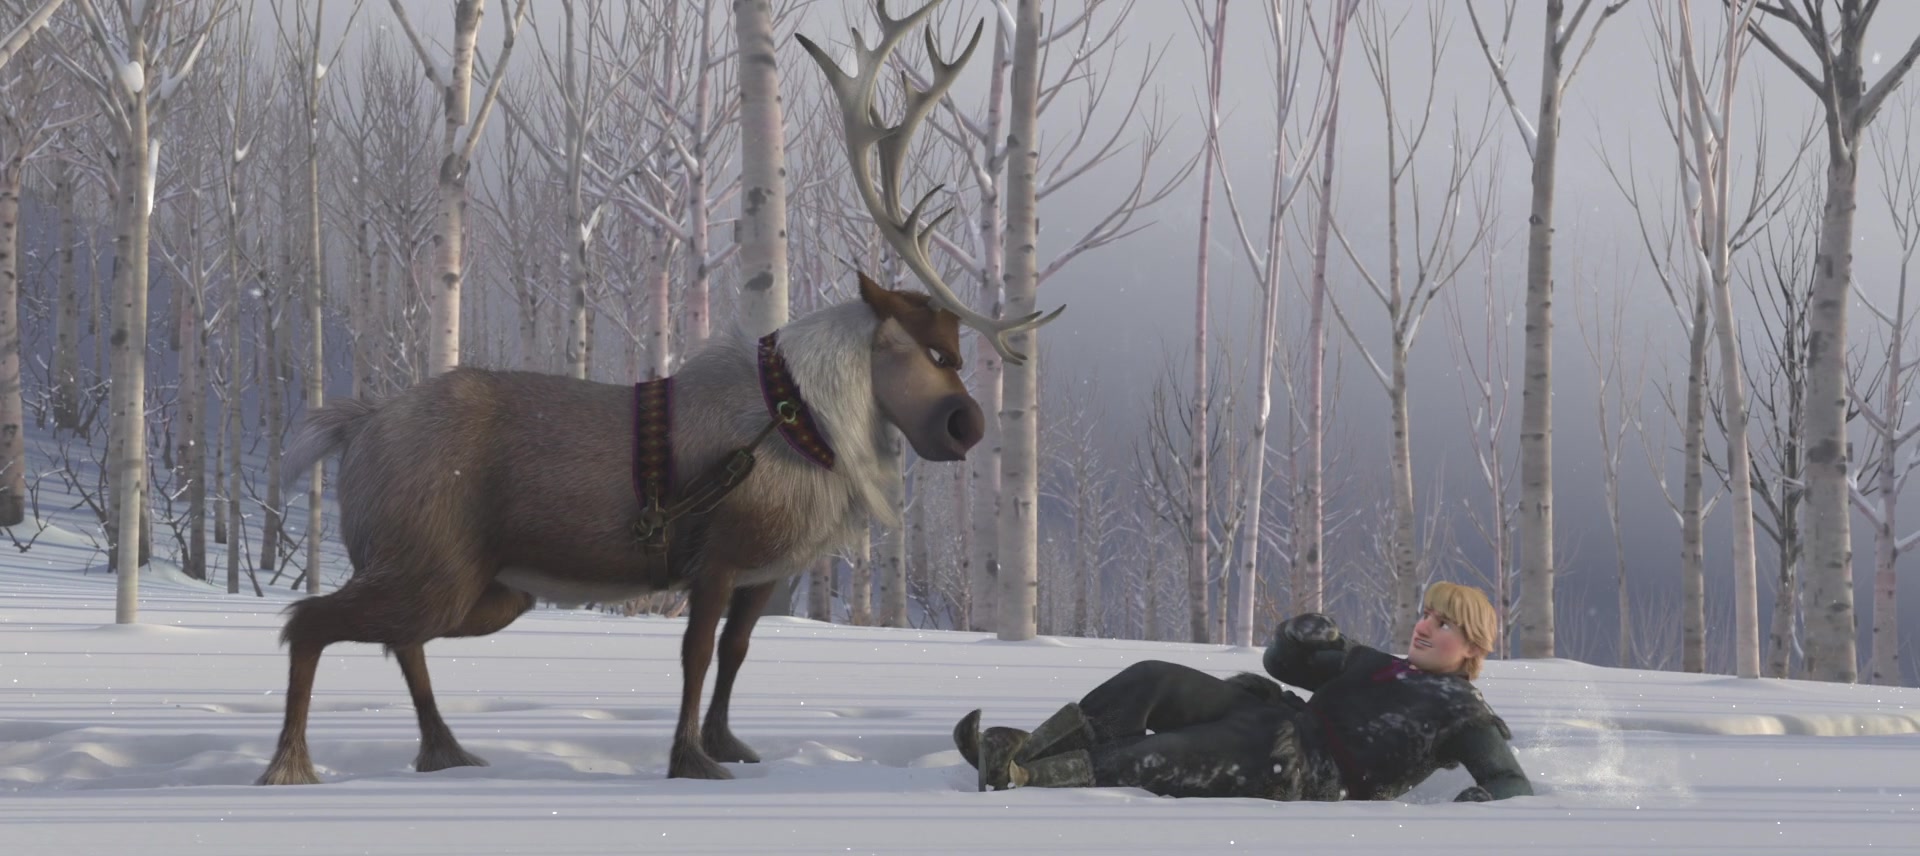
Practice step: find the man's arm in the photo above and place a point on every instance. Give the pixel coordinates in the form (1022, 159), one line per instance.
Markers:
(1484, 750)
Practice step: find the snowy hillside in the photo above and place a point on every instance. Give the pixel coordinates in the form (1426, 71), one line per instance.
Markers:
(144, 739)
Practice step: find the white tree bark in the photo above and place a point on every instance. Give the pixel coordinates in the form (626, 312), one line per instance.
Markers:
(13, 446)
(1309, 562)
(1712, 164)
(762, 229)
(1838, 82)
(1534, 634)
(1197, 520)
(66, 348)
(461, 135)
(17, 38)
(1019, 479)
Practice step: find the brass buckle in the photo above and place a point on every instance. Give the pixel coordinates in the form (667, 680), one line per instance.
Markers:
(652, 523)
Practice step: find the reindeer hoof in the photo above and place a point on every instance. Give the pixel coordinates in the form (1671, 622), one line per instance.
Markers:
(445, 758)
(723, 746)
(694, 764)
(289, 771)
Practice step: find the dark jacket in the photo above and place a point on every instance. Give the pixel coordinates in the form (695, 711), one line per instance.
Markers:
(1386, 724)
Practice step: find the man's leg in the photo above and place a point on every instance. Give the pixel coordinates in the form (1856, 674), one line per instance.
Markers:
(1227, 757)
(1158, 696)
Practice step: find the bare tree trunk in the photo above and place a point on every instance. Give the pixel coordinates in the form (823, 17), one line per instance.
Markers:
(919, 554)
(660, 329)
(1693, 578)
(1831, 653)
(699, 178)
(193, 407)
(963, 532)
(128, 448)
(316, 276)
(762, 229)
(1712, 168)
(230, 486)
(579, 240)
(66, 347)
(443, 345)
(893, 556)
(860, 581)
(1197, 439)
(18, 36)
(456, 149)
(1838, 82)
(1309, 587)
(1535, 631)
(13, 446)
(989, 378)
(820, 590)
(1018, 525)
(273, 389)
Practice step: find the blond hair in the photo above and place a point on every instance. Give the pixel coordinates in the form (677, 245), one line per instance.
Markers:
(1467, 608)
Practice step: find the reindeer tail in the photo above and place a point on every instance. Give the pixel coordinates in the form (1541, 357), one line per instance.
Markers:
(324, 432)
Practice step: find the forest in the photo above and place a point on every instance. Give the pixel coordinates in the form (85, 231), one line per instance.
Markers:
(217, 215)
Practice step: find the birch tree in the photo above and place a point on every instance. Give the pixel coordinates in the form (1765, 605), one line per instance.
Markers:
(302, 48)
(461, 137)
(31, 22)
(1309, 539)
(141, 59)
(1617, 400)
(1833, 33)
(1534, 633)
(27, 127)
(1265, 261)
(1779, 284)
(580, 82)
(762, 228)
(676, 98)
(1707, 160)
(1214, 36)
(1437, 258)
(1890, 460)
(1485, 358)
(1069, 57)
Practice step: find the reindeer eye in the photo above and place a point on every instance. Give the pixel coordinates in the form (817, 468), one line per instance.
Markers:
(940, 359)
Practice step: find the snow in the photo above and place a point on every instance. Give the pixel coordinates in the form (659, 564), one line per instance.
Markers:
(146, 738)
(149, 735)
(133, 76)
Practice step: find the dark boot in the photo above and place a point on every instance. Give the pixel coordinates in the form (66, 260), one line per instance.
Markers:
(1066, 730)
(998, 746)
(966, 738)
(1066, 770)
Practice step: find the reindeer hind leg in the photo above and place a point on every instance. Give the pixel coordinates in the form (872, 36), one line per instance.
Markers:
(312, 625)
(496, 608)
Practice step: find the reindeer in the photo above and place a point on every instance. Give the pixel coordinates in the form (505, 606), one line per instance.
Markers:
(468, 497)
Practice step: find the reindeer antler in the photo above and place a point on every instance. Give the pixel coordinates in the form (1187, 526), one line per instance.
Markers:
(865, 131)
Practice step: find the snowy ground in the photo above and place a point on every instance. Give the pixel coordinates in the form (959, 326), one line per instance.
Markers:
(144, 739)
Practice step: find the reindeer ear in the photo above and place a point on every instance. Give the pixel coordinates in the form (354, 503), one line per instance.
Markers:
(884, 303)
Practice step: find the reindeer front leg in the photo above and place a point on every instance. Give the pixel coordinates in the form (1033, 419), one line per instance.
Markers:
(716, 738)
(706, 600)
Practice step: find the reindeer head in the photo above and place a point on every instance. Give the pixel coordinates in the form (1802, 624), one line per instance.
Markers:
(916, 373)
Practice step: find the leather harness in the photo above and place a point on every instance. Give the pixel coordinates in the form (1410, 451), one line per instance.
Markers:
(653, 468)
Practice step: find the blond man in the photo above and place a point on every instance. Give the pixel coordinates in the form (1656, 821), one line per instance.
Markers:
(1376, 726)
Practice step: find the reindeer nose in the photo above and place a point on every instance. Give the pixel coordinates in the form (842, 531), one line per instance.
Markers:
(963, 424)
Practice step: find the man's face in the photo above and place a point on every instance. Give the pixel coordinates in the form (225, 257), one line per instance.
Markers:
(1437, 644)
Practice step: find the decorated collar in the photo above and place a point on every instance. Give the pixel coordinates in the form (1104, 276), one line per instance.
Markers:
(785, 405)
